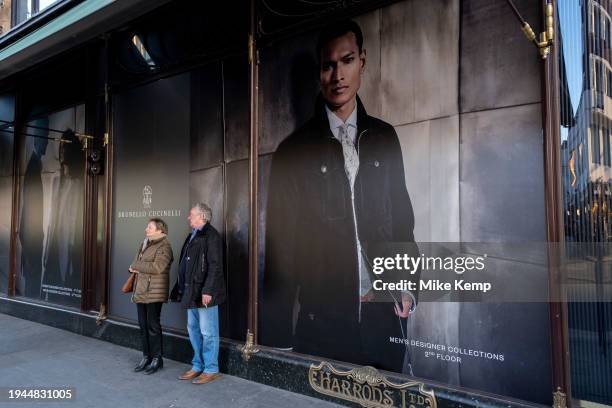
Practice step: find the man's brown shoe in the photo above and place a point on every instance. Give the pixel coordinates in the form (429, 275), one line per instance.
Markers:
(206, 377)
(189, 375)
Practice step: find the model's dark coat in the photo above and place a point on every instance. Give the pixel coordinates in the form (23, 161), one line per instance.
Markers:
(310, 237)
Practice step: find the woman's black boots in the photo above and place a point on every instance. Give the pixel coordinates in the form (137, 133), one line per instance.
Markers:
(155, 365)
(143, 364)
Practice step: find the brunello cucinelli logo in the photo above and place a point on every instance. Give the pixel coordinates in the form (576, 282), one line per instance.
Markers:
(147, 196)
(147, 210)
(368, 388)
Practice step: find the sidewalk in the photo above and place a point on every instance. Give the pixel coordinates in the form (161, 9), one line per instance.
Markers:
(35, 355)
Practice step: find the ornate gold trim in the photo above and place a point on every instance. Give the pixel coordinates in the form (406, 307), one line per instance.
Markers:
(249, 348)
(101, 314)
(366, 375)
(546, 37)
(559, 399)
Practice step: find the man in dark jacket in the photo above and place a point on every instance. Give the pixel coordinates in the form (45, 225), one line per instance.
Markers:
(200, 288)
(337, 196)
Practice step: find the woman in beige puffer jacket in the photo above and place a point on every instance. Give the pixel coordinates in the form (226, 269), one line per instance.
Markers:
(152, 268)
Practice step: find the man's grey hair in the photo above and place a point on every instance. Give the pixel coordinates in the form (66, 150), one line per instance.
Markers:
(204, 210)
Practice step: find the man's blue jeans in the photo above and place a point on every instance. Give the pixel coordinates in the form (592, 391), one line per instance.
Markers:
(203, 328)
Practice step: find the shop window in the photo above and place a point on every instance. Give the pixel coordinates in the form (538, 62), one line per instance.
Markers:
(587, 209)
(50, 240)
(315, 287)
(595, 145)
(179, 141)
(7, 106)
(606, 147)
(142, 51)
(23, 10)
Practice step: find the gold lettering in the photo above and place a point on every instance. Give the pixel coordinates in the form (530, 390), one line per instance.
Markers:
(369, 397)
(313, 377)
(377, 394)
(325, 380)
(357, 390)
(382, 394)
(346, 388)
(388, 399)
(412, 399)
(335, 387)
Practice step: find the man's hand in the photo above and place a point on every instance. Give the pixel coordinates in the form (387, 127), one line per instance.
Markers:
(132, 270)
(403, 310)
(206, 299)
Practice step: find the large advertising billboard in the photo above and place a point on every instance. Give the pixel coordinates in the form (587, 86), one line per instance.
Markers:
(379, 141)
(50, 238)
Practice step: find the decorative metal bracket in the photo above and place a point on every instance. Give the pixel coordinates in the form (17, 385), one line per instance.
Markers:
(547, 37)
(249, 347)
(101, 314)
(559, 399)
(85, 138)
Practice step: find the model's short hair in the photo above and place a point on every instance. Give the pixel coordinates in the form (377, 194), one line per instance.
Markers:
(338, 29)
(204, 210)
(160, 224)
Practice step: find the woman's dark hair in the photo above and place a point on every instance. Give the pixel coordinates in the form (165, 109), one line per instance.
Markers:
(338, 29)
(160, 224)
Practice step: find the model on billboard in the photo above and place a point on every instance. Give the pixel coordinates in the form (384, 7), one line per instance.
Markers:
(63, 266)
(31, 234)
(152, 268)
(337, 192)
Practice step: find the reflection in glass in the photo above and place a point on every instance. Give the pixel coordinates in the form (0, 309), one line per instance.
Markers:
(142, 51)
(51, 217)
(23, 10)
(586, 120)
(7, 110)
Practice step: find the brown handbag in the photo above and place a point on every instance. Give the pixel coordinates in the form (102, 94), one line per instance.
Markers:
(128, 286)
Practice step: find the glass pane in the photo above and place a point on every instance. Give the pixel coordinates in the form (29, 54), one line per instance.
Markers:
(15, 12)
(586, 114)
(178, 141)
(51, 217)
(43, 4)
(441, 145)
(7, 111)
(151, 179)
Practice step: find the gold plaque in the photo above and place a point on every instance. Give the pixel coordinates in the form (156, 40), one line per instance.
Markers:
(369, 388)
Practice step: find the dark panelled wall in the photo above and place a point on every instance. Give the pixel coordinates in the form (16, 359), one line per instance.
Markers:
(151, 151)
(219, 173)
(186, 137)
